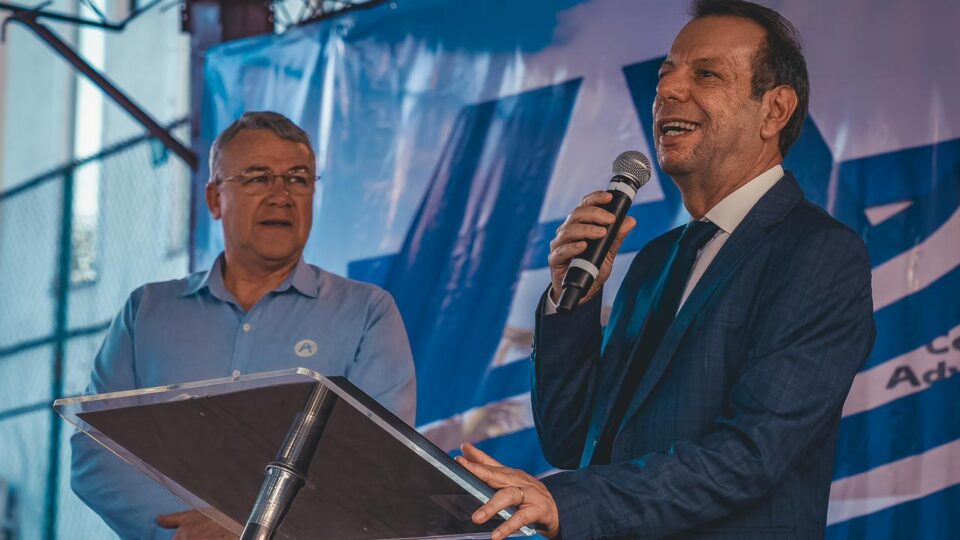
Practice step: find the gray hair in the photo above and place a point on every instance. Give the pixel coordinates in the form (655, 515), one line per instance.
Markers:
(276, 123)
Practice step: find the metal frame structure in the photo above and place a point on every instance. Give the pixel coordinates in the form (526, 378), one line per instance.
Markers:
(100, 22)
(62, 333)
(30, 19)
(237, 20)
(315, 10)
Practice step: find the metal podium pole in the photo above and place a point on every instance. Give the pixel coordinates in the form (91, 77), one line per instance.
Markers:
(287, 473)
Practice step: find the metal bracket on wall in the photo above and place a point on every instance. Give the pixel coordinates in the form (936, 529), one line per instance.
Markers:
(28, 17)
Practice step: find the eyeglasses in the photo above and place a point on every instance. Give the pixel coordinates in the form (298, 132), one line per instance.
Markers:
(297, 182)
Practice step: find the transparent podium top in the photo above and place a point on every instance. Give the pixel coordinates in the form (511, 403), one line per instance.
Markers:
(208, 442)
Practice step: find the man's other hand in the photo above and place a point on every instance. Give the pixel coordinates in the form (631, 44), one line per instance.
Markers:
(192, 525)
(535, 505)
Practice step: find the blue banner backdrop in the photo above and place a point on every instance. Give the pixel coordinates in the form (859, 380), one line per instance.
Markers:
(454, 137)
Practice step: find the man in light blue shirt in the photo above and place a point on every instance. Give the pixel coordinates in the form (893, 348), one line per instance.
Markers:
(259, 308)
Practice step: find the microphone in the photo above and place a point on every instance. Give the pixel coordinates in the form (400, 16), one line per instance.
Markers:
(631, 170)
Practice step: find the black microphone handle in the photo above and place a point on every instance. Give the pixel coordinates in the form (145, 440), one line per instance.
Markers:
(577, 281)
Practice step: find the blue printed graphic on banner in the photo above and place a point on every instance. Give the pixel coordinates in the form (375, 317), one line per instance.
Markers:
(455, 277)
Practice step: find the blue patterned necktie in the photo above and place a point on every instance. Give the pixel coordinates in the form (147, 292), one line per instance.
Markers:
(662, 313)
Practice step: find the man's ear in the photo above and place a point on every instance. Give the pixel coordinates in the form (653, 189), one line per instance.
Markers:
(779, 103)
(213, 199)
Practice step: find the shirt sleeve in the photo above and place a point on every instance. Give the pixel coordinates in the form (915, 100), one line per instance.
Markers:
(128, 501)
(549, 306)
(566, 353)
(383, 366)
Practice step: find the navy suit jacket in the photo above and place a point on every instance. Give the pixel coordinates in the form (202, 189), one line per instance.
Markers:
(732, 429)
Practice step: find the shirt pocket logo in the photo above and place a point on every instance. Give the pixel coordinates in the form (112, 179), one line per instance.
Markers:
(305, 348)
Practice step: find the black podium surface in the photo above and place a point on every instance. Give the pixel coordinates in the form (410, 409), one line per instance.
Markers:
(371, 476)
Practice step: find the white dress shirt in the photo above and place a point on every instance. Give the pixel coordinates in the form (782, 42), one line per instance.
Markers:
(727, 215)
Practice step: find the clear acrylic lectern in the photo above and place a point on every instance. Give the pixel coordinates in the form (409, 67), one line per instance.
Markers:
(219, 444)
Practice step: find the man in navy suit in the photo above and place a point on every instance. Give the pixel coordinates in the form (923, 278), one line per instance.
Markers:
(709, 406)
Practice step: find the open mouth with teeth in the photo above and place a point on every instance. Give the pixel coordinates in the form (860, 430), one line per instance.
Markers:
(672, 129)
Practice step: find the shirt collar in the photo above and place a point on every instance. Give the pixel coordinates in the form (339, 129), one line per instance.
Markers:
(302, 279)
(728, 213)
(202, 280)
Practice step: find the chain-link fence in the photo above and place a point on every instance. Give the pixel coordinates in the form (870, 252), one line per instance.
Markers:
(74, 242)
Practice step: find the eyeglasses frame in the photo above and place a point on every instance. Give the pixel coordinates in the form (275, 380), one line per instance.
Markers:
(273, 178)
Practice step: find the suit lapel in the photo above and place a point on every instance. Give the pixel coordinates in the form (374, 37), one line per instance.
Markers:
(626, 324)
(753, 231)
(630, 313)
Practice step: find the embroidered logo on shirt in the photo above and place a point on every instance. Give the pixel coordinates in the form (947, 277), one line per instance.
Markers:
(305, 348)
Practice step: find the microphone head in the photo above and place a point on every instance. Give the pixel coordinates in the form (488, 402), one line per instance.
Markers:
(633, 165)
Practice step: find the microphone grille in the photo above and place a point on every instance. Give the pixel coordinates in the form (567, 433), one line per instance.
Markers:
(634, 165)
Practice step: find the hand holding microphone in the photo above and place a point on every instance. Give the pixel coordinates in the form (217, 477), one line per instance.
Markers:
(581, 255)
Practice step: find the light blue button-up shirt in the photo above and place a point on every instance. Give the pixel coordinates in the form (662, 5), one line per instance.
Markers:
(193, 329)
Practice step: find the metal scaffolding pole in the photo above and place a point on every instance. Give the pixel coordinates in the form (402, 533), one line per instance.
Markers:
(29, 19)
